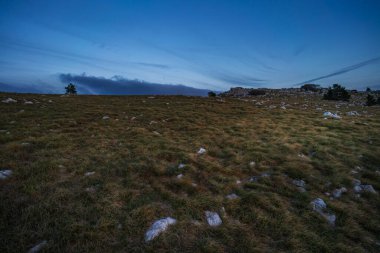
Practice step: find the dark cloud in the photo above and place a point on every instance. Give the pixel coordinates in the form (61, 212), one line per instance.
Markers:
(118, 85)
(344, 70)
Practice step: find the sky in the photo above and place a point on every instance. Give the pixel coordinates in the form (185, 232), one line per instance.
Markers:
(187, 47)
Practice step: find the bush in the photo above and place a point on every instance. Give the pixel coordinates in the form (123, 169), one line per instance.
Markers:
(256, 92)
(310, 87)
(71, 89)
(371, 100)
(337, 92)
(211, 94)
(378, 100)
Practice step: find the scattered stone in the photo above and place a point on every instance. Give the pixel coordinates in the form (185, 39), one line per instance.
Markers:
(272, 107)
(179, 176)
(153, 122)
(201, 151)
(358, 187)
(25, 144)
(331, 218)
(213, 219)
(38, 247)
(364, 188)
(337, 193)
(331, 115)
(238, 182)
(232, 196)
(90, 173)
(28, 103)
(319, 206)
(4, 174)
(283, 107)
(353, 113)
(105, 117)
(156, 133)
(158, 227)
(299, 183)
(252, 164)
(301, 155)
(9, 100)
(181, 166)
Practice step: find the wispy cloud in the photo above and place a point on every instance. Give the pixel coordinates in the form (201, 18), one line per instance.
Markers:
(235, 79)
(78, 58)
(118, 85)
(344, 70)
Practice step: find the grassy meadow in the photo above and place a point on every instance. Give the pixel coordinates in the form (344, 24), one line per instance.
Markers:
(135, 152)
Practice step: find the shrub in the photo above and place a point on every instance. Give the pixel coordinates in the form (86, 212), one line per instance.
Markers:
(71, 89)
(371, 100)
(337, 92)
(378, 100)
(211, 94)
(256, 92)
(310, 87)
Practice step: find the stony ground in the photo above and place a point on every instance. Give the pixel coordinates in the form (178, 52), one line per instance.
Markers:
(94, 173)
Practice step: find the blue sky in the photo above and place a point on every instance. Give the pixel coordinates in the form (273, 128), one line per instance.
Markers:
(202, 44)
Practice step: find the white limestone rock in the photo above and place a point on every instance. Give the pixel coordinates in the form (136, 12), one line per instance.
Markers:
(9, 100)
(337, 193)
(158, 227)
(4, 174)
(38, 247)
(232, 196)
(213, 219)
(299, 183)
(201, 151)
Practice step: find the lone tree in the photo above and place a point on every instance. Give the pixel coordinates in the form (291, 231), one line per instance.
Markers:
(71, 89)
(337, 92)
